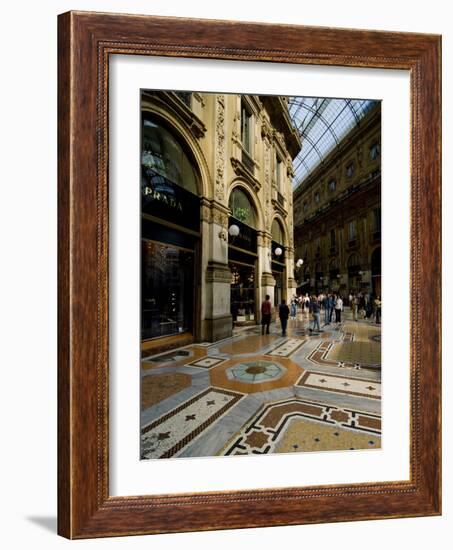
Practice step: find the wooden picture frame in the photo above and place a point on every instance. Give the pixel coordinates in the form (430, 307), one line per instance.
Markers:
(85, 41)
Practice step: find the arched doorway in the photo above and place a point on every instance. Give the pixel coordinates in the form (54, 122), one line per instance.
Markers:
(376, 271)
(170, 231)
(278, 260)
(354, 273)
(242, 257)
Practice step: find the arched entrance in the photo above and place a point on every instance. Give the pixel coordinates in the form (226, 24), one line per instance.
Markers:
(376, 271)
(242, 257)
(354, 273)
(278, 260)
(170, 231)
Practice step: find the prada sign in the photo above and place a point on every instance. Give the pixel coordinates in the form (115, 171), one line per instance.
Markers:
(164, 199)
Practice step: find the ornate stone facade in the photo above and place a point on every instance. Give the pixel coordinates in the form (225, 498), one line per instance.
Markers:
(230, 153)
(337, 215)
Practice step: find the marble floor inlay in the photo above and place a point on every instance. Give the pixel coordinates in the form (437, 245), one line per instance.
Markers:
(259, 394)
(268, 430)
(287, 348)
(168, 435)
(342, 384)
(256, 371)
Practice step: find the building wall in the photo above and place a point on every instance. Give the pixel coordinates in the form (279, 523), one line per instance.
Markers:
(321, 207)
(210, 126)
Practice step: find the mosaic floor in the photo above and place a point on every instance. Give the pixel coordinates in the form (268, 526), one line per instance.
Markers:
(253, 394)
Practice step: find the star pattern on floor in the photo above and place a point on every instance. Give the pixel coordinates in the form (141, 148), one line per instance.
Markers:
(254, 394)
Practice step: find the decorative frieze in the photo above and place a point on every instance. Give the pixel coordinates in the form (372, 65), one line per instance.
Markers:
(214, 212)
(267, 186)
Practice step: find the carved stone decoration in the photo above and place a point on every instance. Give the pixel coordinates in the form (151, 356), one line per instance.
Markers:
(236, 126)
(291, 231)
(220, 148)
(267, 186)
(220, 218)
(266, 129)
(223, 235)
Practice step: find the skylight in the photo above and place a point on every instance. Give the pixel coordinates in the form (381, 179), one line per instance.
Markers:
(322, 123)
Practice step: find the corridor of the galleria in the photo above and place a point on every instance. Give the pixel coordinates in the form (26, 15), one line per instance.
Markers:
(261, 274)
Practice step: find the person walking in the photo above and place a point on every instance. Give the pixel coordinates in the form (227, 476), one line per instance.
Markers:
(266, 313)
(338, 309)
(327, 309)
(316, 314)
(330, 304)
(283, 313)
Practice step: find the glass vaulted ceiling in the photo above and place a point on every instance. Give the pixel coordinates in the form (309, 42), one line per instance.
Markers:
(322, 124)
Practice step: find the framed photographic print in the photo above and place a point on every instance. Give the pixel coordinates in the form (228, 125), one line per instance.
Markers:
(249, 275)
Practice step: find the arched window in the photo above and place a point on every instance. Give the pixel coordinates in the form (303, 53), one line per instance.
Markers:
(242, 208)
(164, 161)
(277, 232)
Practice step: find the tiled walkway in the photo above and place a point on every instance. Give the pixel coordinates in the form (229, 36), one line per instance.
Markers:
(253, 394)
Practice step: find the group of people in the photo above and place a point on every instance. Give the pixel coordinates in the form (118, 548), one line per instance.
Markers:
(266, 315)
(365, 305)
(328, 303)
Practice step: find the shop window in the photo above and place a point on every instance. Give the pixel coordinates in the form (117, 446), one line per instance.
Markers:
(167, 290)
(164, 160)
(242, 292)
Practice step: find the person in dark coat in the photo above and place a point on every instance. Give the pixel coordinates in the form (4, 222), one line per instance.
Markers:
(283, 313)
(266, 314)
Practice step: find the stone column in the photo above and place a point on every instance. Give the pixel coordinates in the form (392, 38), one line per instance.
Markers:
(216, 279)
(265, 273)
(291, 284)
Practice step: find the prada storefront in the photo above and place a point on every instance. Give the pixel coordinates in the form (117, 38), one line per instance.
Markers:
(242, 258)
(170, 232)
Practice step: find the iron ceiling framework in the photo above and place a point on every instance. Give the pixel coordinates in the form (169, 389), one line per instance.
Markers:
(322, 123)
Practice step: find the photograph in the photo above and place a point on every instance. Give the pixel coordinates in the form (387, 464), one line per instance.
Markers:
(260, 266)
